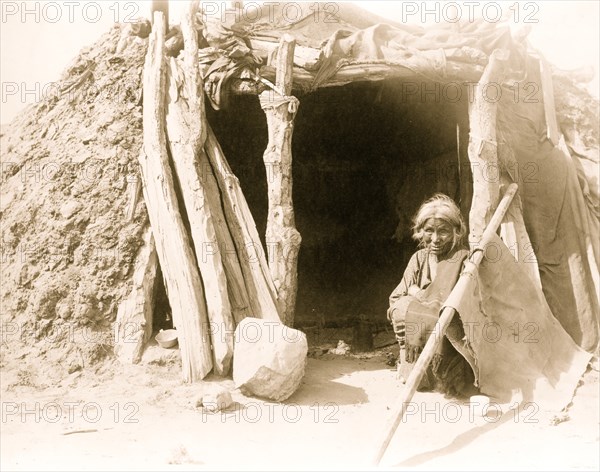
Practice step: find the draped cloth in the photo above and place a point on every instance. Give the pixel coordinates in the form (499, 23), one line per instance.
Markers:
(414, 319)
(503, 330)
(521, 352)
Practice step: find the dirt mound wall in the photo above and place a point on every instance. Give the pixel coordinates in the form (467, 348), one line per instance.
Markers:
(67, 248)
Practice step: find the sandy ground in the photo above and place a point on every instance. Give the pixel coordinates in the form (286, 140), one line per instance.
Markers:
(144, 418)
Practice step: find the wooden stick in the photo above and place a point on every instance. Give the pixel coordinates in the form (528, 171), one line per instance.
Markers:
(257, 278)
(173, 245)
(134, 316)
(439, 331)
(236, 287)
(187, 132)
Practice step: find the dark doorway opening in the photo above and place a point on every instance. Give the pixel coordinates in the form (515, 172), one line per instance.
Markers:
(365, 156)
(161, 314)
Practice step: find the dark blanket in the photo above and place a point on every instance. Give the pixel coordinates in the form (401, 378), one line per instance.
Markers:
(449, 372)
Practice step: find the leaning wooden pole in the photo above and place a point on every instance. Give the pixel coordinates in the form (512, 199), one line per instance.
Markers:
(187, 133)
(436, 337)
(134, 316)
(257, 279)
(239, 299)
(173, 245)
(482, 149)
(282, 237)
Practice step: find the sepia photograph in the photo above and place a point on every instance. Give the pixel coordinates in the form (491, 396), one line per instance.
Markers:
(257, 236)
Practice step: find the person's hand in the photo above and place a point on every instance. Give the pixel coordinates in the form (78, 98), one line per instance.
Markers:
(413, 290)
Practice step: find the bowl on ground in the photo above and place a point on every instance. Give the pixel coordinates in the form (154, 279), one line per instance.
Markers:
(166, 338)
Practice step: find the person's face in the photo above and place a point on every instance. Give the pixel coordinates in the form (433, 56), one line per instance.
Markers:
(438, 236)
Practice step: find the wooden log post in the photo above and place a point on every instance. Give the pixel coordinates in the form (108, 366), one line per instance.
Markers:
(161, 6)
(134, 316)
(257, 278)
(282, 238)
(482, 150)
(186, 132)
(173, 244)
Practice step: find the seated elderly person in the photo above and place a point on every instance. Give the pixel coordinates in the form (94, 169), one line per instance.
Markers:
(428, 279)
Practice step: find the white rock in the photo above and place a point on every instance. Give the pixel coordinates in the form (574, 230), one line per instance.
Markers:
(217, 400)
(268, 358)
(342, 348)
(69, 208)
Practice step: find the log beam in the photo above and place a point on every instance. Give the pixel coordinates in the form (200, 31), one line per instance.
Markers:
(460, 72)
(187, 132)
(257, 278)
(482, 149)
(173, 244)
(283, 240)
(303, 79)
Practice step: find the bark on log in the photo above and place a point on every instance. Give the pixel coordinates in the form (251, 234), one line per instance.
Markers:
(257, 278)
(134, 317)
(283, 240)
(173, 244)
(482, 149)
(185, 129)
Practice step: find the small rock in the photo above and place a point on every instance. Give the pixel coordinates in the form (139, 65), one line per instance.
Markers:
(268, 358)
(81, 156)
(216, 401)
(69, 208)
(74, 368)
(86, 135)
(116, 132)
(342, 348)
(559, 418)
(63, 310)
